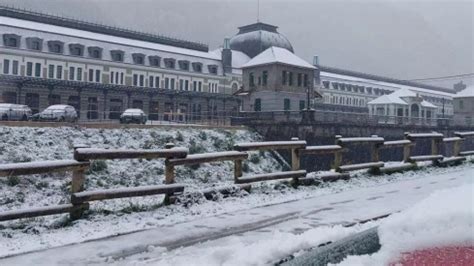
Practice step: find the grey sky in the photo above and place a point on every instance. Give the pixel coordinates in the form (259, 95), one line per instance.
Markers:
(403, 39)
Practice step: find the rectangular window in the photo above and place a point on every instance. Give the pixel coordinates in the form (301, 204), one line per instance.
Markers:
(167, 83)
(251, 80)
(6, 66)
(29, 69)
(290, 79)
(157, 82)
(181, 84)
(265, 78)
(71, 73)
(172, 84)
(283, 77)
(142, 80)
(38, 70)
(97, 75)
(135, 80)
(286, 104)
(15, 67)
(79, 74)
(200, 85)
(186, 85)
(91, 75)
(300, 79)
(257, 105)
(117, 78)
(112, 77)
(151, 82)
(121, 78)
(51, 71)
(302, 105)
(59, 74)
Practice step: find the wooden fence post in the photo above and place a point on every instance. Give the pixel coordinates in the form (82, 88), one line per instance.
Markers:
(77, 185)
(237, 170)
(406, 152)
(295, 160)
(169, 173)
(457, 147)
(337, 155)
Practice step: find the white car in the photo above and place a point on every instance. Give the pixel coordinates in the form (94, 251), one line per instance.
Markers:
(59, 113)
(10, 111)
(136, 116)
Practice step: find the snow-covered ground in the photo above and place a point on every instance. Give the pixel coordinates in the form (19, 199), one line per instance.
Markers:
(128, 215)
(444, 219)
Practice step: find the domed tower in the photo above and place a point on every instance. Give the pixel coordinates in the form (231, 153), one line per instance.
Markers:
(258, 37)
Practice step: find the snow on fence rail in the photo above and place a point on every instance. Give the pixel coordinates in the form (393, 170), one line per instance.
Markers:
(294, 146)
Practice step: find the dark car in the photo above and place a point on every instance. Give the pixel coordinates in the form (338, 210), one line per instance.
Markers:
(133, 116)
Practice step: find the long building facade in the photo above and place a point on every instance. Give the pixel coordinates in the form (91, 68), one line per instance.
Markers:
(102, 70)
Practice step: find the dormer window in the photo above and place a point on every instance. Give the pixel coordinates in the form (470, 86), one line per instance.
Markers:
(11, 40)
(170, 63)
(117, 55)
(197, 67)
(154, 60)
(34, 43)
(212, 69)
(138, 58)
(183, 64)
(56, 47)
(95, 52)
(76, 49)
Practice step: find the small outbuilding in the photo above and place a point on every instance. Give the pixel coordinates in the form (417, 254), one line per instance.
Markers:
(402, 103)
(463, 103)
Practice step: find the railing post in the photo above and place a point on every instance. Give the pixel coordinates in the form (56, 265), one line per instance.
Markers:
(406, 152)
(77, 185)
(457, 147)
(337, 155)
(237, 170)
(169, 173)
(295, 160)
(375, 155)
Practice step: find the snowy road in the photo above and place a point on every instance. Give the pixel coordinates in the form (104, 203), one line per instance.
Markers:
(259, 235)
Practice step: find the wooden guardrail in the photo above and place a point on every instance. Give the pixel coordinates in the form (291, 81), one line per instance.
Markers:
(294, 145)
(375, 143)
(31, 168)
(85, 154)
(464, 136)
(179, 156)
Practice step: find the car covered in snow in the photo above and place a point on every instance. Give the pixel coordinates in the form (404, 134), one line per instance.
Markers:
(10, 111)
(57, 113)
(133, 116)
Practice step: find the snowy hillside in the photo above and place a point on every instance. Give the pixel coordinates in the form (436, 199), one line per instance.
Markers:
(34, 144)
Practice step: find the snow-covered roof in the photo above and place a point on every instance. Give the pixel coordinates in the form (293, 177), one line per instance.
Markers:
(467, 92)
(238, 58)
(396, 97)
(47, 28)
(374, 82)
(278, 55)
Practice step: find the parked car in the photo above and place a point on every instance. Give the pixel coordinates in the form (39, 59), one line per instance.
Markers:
(57, 113)
(10, 111)
(136, 116)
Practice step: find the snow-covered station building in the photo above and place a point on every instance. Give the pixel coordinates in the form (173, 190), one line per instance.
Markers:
(102, 70)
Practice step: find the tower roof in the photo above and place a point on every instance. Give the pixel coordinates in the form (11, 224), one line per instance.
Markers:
(257, 37)
(278, 55)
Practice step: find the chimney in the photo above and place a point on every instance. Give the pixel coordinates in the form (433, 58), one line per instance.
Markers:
(315, 60)
(227, 56)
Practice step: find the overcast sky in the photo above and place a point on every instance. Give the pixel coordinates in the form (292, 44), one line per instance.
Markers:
(399, 38)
